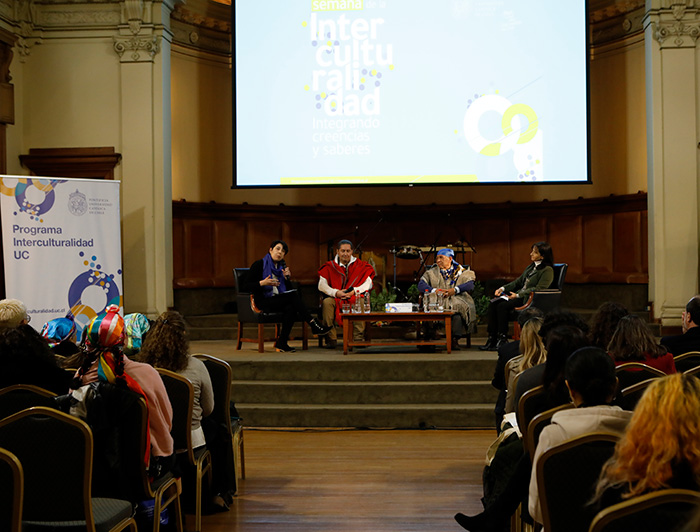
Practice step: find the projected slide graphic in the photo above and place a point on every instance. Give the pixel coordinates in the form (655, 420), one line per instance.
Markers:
(361, 92)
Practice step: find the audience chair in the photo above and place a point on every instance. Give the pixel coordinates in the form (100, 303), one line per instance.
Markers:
(249, 313)
(693, 372)
(537, 425)
(668, 510)
(547, 300)
(687, 361)
(566, 478)
(222, 378)
(20, 396)
(57, 473)
(531, 403)
(128, 413)
(633, 372)
(630, 396)
(11, 492)
(181, 395)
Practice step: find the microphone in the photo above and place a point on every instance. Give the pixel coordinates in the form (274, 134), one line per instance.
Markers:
(283, 266)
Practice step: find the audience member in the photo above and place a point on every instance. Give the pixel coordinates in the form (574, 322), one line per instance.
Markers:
(13, 313)
(690, 339)
(590, 378)
(661, 447)
(25, 358)
(102, 359)
(632, 341)
(604, 322)
(60, 335)
(505, 353)
(561, 317)
(533, 353)
(590, 375)
(137, 326)
(561, 342)
(167, 346)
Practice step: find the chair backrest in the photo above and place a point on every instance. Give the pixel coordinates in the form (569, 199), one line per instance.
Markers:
(559, 276)
(668, 510)
(181, 395)
(528, 407)
(537, 425)
(633, 372)
(57, 465)
(687, 361)
(21, 396)
(239, 275)
(221, 377)
(11, 492)
(566, 479)
(630, 396)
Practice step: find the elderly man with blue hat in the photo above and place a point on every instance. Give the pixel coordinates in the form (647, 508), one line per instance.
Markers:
(454, 282)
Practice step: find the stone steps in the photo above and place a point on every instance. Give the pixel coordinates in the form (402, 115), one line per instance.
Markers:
(371, 416)
(363, 393)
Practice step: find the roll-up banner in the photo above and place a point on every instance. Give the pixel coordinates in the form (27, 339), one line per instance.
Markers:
(61, 246)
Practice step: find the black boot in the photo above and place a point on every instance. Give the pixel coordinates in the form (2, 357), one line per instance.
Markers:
(502, 340)
(473, 523)
(318, 328)
(455, 343)
(490, 344)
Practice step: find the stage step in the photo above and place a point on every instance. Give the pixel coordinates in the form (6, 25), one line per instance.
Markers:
(366, 390)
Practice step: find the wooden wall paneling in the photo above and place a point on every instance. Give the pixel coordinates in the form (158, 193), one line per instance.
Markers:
(229, 250)
(179, 252)
(304, 259)
(627, 248)
(597, 245)
(491, 239)
(566, 237)
(523, 233)
(260, 235)
(645, 246)
(199, 239)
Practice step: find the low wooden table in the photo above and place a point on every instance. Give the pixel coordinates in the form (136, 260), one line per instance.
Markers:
(349, 319)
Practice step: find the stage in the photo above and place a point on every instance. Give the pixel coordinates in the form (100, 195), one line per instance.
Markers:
(377, 387)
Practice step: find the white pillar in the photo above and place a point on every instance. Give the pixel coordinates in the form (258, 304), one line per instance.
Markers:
(671, 30)
(143, 46)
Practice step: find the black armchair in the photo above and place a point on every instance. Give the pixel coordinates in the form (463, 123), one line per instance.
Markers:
(547, 299)
(249, 313)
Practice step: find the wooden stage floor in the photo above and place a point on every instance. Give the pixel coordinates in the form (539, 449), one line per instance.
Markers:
(315, 480)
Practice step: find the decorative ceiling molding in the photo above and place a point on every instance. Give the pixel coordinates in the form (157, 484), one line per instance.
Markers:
(676, 24)
(615, 21)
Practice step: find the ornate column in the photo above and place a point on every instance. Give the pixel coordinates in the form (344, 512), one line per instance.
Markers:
(143, 47)
(671, 30)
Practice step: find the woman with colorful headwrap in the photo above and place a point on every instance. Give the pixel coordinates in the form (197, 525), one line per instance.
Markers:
(103, 360)
(137, 325)
(60, 335)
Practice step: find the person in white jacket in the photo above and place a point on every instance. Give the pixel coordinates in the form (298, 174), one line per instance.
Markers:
(590, 377)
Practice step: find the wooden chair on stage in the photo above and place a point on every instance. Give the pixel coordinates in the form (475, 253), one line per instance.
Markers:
(546, 300)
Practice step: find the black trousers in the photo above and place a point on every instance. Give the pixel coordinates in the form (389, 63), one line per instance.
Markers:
(290, 304)
(498, 314)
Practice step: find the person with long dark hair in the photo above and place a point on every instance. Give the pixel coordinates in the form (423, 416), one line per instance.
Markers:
(537, 276)
(269, 281)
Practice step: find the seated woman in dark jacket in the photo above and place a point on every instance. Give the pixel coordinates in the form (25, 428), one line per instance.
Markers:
(537, 276)
(268, 281)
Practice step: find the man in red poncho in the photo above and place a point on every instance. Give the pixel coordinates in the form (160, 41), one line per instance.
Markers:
(342, 279)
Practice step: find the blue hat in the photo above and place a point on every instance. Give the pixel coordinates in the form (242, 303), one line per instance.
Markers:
(447, 252)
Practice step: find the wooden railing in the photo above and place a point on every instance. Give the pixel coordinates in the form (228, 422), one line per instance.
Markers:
(604, 240)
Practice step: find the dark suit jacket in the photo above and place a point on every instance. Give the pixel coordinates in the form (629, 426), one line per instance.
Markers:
(682, 343)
